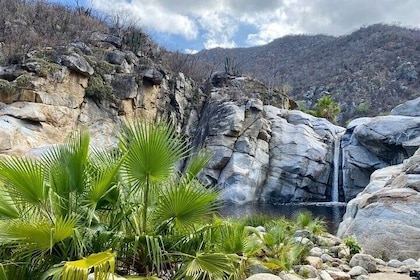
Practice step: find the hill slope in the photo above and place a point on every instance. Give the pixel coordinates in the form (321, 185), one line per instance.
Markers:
(368, 72)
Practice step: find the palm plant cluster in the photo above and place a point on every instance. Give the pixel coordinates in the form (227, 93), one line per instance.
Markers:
(78, 209)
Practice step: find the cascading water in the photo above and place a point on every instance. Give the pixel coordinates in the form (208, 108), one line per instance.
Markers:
(336, 171)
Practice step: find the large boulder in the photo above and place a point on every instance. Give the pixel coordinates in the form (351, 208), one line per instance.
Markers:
(264, 153)
(409, 108)
(77, 63)
(301, 155)
(373, 143)
(384, 217)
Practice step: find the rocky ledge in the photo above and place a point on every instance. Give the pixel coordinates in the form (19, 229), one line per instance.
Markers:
(384, 217)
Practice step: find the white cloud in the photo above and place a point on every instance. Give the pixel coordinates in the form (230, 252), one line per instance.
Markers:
(216, 22)
(219, 28)
(191, 51)
(150, 14)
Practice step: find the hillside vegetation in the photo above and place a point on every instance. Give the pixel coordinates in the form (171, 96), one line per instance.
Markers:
(368, 72)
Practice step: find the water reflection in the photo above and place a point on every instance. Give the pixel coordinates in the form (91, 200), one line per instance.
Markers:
(331, 213)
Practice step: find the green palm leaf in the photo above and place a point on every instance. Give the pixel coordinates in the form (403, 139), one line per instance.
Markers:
(102, 171)
(8, 209)
(24, 179)
(196, 163)
(37, 234)
(152, 150)
(67, 163)
(208, 266)
(102, 263)
(183, 206)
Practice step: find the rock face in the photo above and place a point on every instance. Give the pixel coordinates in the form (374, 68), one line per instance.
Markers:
(42, 102)
(262, 150)
(384, 217)
(264, 153)
(373, 143)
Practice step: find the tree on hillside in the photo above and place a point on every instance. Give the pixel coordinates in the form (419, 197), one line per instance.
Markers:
(327, 108)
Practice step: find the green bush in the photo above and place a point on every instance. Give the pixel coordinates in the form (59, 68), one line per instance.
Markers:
(363, 108)
(24, 81)
(327, 108)
(98, 89)
(6, 87)
(353, 245)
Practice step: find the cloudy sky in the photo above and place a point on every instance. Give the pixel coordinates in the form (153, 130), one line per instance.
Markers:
(191, 25)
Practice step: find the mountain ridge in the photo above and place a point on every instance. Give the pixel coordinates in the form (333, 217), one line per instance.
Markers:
(368, 71)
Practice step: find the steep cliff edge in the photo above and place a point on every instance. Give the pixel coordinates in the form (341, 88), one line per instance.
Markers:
(95, 86)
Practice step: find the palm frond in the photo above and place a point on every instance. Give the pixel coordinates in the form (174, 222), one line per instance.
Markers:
(8, 209)
(37, 234)
(102, 263)
(208, 266)
(102, 171)
(152, 150)
(24, 179)
(67, 163)
(155, 250)
(182, 207)
(196, 163)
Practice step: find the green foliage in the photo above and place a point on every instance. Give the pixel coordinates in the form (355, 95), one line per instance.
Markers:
(327, 108)
(363, 108)
(304, 220)
(6, 87)
(24, 81)
(98, 89)
(76, 201)
(46, 67)
(353, 245)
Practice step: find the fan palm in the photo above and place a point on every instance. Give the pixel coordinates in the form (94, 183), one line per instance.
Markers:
(152, 150)
(327, 108)
(48, 203)
(75, 200)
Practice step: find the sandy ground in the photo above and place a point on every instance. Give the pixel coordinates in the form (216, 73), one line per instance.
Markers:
(389, 276)
(385, 273)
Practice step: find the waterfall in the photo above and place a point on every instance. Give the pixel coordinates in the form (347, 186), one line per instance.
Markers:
(336, 171)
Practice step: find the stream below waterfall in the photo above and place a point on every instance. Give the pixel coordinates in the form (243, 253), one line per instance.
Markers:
(331, 212)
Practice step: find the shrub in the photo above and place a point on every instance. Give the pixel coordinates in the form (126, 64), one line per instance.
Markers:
(353, 245)
(24, 81)
(327, 108)
(363, 108)
(98, 89)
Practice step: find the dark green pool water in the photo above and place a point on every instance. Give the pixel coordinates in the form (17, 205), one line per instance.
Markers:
(331, 213)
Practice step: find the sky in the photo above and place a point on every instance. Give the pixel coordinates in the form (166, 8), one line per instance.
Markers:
(193, 25)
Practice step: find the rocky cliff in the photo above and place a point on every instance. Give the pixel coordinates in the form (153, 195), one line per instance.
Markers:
(95, 86)
(384, 217)
(262, 149)
(373, 143)
(262, 152)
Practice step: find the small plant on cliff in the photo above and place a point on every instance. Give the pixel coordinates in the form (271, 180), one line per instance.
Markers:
(6, 87)
(98, 89)
(353, 245)
(232, 67)
(327, 108)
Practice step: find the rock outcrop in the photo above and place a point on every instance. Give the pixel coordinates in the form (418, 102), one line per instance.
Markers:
(373, 143)
(384, 217)
(57, 91)
(261, 152)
